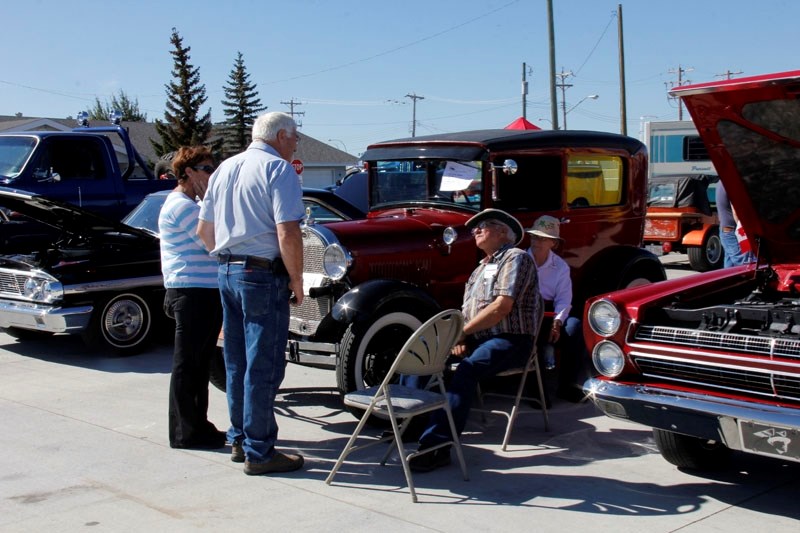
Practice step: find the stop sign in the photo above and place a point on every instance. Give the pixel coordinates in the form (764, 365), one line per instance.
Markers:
(298, 166)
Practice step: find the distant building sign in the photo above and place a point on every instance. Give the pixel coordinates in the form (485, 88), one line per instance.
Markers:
(298, 166)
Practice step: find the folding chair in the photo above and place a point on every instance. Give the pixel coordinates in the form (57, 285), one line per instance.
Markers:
(424, 354)
(531, 365)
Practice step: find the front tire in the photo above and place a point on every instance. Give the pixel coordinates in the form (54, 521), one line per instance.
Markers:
(369, 349)
(709, 256)
(691, 452)
(122, 322)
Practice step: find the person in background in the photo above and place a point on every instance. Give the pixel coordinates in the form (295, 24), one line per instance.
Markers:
(250, 220)
(564, 331)
(192, 298)
(734, 256)
(501, 310)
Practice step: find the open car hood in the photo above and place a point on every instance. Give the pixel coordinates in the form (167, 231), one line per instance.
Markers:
(751, 128)
(63, 216)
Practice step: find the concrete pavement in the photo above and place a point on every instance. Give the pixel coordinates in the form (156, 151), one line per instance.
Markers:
(85, 449)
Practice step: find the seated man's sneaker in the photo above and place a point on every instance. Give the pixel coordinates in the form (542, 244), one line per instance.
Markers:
(280, 462)
(431, 460)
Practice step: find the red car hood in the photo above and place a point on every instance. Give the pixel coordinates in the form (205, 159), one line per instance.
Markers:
(751, 128)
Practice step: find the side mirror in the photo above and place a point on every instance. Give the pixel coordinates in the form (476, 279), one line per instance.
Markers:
(43, 175)
(508, 167)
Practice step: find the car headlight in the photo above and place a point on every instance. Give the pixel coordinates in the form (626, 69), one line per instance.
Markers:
(604, 318)
(335, 261)
(42, 290)
(608, 359)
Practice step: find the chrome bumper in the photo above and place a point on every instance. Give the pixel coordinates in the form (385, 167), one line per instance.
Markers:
(46, 318)
(319, 354)
(698, 415)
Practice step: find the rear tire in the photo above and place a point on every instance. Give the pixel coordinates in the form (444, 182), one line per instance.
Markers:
(217, 375)
(708, 256)
(691, 452)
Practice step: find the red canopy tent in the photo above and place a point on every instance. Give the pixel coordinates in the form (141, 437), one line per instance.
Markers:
(522, 124)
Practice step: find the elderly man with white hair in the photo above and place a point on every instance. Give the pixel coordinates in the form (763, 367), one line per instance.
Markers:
(250, 220)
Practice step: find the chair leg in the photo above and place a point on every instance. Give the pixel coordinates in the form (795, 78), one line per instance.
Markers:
(403, 460)
(542, 400)
(457, 443)
(348, 448)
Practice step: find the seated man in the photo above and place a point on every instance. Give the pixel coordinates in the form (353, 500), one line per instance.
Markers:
(564, 331)
(501, 310)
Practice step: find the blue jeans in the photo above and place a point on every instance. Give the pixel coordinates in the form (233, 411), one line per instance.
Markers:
(255, 306)
(486, 360)
(733, 254)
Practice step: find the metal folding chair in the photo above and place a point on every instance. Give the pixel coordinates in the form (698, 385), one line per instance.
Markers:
(531, 365)
(424, 354)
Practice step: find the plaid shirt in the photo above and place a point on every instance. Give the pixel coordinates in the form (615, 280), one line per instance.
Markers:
(508, 272)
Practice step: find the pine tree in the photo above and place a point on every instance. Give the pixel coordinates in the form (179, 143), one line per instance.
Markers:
(182, 125)
(241, 107)
(119, 102)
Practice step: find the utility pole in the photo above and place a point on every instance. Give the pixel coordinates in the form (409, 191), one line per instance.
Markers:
(623, 113)
(552, 46)
(414, 97)
(524, 91)
(680, 72)
(728, 74)
(292, 103)
(563, 86)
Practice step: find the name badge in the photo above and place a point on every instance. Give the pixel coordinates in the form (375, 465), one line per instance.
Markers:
(490, 271)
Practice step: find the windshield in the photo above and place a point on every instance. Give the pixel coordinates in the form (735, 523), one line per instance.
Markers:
(661, 195)
(14, 153)
(145, 215)
(430, 180)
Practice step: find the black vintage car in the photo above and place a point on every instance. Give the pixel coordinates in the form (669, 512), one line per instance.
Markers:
(97, 277)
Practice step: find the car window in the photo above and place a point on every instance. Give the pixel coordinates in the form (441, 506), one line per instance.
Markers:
(535, 186)
(594, 180)
(320, 213)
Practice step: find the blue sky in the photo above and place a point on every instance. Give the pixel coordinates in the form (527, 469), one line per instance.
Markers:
(351, 63)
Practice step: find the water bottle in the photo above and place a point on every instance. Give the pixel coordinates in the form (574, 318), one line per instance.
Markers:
(549, 355)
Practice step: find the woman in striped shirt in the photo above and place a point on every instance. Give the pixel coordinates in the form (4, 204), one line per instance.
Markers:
(192, 298)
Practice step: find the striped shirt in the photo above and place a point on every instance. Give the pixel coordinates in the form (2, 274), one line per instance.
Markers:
(508, 272)
(184, 260)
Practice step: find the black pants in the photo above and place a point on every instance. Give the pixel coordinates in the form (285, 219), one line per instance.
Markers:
(198, 319)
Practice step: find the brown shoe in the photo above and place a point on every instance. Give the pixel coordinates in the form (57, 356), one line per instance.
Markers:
(237, 452)
(280, 462)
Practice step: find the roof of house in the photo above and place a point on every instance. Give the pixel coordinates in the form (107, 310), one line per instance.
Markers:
(310, 151)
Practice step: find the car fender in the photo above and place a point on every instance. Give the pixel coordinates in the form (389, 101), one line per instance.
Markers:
(380, 296)
(698, 236)
(609, 271)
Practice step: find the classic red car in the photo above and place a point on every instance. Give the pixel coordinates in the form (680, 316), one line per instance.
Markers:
(712, 362)
(682, 218)
(371, 282)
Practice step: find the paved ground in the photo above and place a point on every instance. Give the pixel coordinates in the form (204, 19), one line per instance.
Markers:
(85, 449)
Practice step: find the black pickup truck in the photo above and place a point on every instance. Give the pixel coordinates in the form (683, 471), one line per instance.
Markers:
(96, 168)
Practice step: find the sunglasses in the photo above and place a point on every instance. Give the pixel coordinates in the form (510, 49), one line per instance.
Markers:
(484, 225)
(205, 168)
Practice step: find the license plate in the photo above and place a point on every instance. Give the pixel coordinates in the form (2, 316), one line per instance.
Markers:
(655, 249)
(774, 441)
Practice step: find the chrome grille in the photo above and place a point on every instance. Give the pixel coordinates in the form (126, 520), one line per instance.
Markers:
(11, 285)
(747, 380)
(305, 318)
(788, 348)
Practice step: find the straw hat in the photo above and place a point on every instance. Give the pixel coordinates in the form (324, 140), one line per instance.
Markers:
(547, 227)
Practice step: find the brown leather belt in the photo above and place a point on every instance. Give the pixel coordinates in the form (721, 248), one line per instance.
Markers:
(252, 261)
(727, 229)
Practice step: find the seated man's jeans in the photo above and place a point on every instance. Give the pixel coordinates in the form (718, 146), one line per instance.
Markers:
(486, 360)
(574, 360)
(255, 306)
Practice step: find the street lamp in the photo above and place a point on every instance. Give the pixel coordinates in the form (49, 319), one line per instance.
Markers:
(338, 141)
(589, 97)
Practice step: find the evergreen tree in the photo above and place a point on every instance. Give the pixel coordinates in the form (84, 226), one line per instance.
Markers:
(241, 107)
(182, 125)
(119, 102)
